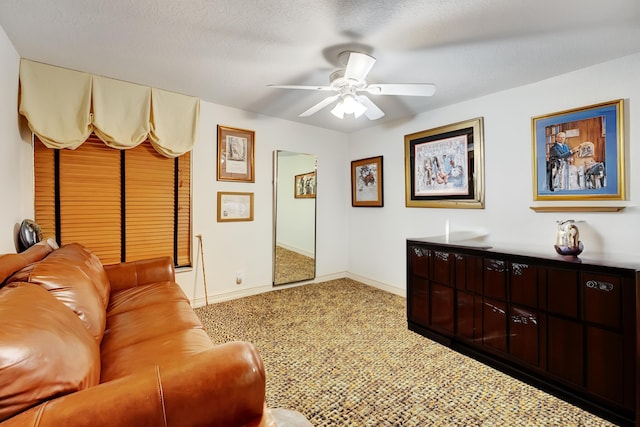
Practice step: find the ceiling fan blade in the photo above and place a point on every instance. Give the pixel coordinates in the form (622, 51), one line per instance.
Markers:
(301, 87)
(407, 89)
(372, 112)
(358, 66)
(319, 106)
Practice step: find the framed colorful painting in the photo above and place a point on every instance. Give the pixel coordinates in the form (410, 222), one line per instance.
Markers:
(579, 154)
(366, 182)
(444, 167)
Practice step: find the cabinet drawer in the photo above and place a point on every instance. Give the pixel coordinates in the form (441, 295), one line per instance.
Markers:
(562, 292)
(495, 273)
(442, 267)
(602, 299)
(419, 261)
(468, 271)
(524, 284)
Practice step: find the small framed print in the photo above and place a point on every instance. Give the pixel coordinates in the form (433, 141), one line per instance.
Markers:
(304, 186)
(236, 149)
(366, 182)
(234, 206)
(579, 154)
(444, 167)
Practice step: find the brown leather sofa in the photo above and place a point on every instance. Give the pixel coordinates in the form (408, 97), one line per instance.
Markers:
(87, 345)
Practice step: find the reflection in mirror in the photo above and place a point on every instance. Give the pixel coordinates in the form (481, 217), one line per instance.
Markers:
(294, 194)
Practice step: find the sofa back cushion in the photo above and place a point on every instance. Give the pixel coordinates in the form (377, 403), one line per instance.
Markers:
(73, 275)
(45, 351)
(89, 264)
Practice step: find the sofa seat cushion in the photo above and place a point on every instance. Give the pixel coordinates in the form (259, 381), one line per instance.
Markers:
(159, 351)
(149, 325)
(45, 350)
(69, 274)
(148, 322)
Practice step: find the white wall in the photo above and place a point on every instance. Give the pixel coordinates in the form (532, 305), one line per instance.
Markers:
(247, 247)
(16, 182)
(377, 235)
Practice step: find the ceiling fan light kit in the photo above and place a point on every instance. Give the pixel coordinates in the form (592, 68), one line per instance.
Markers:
(348, 105)
(349, 81)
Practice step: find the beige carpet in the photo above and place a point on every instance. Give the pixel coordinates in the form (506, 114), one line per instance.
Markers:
(340, 353)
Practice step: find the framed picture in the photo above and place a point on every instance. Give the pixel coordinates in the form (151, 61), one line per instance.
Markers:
(234, 206)
(579, 154)
(304, 186)
(444, 167)
(366, 182)
(235, 154)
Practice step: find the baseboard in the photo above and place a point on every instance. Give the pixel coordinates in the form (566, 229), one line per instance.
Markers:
(228, 296)
(382, 286)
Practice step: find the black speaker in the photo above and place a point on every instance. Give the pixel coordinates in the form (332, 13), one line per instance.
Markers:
(28, 235)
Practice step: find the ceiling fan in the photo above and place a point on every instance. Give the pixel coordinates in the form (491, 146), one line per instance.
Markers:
(350, 83)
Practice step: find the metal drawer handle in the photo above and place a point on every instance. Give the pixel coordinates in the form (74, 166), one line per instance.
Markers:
(600, 286)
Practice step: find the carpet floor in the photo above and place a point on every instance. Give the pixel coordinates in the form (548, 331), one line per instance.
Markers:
(340, 353)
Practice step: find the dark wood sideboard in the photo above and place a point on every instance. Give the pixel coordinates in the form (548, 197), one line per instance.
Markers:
(566, 325)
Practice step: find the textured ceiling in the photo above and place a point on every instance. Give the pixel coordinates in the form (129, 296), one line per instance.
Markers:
(228, 51)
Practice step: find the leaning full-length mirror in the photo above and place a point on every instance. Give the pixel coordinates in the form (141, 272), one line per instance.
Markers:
(294, 223)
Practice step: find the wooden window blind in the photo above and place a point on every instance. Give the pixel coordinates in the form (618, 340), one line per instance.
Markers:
(89, 199)
(124, 205)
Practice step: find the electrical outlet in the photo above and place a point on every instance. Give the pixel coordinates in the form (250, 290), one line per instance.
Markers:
(239, 277)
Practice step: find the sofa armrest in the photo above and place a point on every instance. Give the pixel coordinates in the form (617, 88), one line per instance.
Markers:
(223, 386)
(136, 273)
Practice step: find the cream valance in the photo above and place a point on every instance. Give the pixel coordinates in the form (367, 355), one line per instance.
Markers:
(64, 106)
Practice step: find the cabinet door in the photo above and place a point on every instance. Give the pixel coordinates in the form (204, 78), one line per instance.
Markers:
(524, 334)
(442, 308)
(465, 315)
(494, 324)
(605, 362)
(565, 349)
(419, 301)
